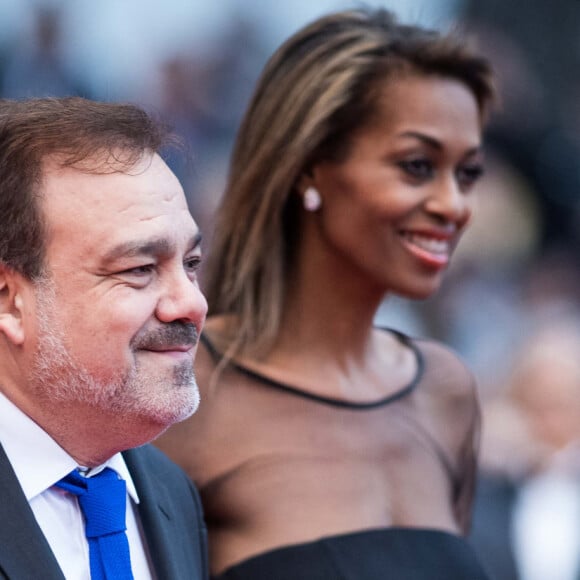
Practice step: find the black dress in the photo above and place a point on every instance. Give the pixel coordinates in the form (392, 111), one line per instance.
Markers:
(393, 553)
(316, 488)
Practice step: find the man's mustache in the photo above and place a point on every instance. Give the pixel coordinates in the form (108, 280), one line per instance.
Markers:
(169, 335)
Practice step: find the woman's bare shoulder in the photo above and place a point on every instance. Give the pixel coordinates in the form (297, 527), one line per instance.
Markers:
(445, 373)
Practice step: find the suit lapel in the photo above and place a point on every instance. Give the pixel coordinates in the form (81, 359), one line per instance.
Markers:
(156, 512)
(24, 551)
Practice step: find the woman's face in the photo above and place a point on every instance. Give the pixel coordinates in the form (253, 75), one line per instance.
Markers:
(393, 211)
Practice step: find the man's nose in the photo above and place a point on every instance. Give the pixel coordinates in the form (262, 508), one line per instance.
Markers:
(182, 300)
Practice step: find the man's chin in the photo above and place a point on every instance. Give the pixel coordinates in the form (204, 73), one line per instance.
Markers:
(174, 407)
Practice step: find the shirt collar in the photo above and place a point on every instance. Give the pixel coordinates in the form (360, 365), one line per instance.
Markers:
(37, 459)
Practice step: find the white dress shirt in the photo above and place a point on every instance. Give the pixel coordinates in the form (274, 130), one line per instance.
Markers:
(546, 526)
(39, 462)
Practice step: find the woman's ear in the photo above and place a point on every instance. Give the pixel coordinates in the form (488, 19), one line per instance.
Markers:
(11, 305)
(306, 188)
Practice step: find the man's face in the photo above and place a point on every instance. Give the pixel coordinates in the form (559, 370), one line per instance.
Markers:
(117, 319)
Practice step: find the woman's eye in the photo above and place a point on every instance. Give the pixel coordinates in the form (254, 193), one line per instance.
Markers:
(417, 168)
(469, 174)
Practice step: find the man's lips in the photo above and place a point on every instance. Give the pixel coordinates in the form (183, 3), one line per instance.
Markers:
(172, 348)
(177, 350)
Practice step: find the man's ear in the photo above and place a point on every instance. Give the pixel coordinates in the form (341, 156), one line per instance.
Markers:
(11, 305)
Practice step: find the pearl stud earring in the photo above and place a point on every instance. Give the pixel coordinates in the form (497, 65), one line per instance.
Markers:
(311, 200)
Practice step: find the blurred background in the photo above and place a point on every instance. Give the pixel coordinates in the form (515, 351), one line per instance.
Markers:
(510, 305)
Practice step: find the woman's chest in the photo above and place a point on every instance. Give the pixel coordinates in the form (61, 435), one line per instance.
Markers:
(371, 468)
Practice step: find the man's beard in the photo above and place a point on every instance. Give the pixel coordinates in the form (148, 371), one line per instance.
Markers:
(132, 393)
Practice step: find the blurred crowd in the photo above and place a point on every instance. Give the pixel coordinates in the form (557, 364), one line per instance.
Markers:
(511, 303)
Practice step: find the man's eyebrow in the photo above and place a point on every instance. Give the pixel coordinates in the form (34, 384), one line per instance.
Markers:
(194, 242)
(148, 247)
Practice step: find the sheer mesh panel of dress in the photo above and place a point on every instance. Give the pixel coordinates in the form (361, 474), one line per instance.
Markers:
(290, 468)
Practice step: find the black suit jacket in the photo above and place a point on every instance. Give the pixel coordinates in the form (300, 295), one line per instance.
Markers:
(169, 508)
(491, 526)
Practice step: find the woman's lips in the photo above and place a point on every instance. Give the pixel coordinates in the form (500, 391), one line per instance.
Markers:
(432, 250)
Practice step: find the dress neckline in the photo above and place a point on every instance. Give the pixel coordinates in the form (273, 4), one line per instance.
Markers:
(394, 548)
(332, 401)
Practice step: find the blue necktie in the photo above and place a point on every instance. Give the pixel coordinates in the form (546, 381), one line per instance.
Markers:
(102, 499)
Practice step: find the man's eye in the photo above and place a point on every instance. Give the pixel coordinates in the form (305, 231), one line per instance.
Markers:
(193, 264)
(417, 168)
(139, 270)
